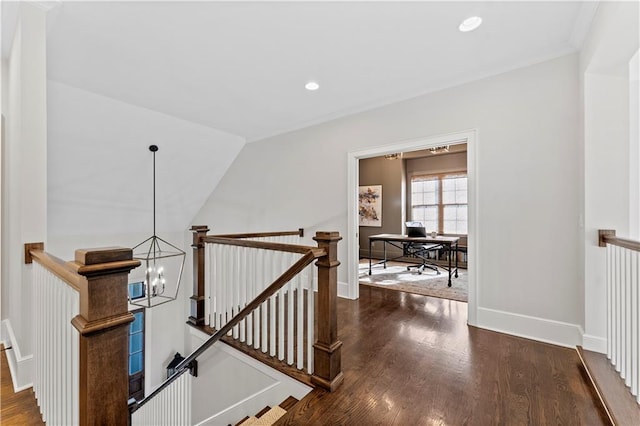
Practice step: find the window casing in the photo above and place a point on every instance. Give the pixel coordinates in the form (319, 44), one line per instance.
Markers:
(439, 201)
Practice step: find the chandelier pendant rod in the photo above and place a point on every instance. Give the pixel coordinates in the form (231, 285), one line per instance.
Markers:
(154, 187)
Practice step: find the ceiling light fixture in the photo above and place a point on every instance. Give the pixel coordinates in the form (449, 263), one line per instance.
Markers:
(162, 262)
(470, 24)
(439, 149)
(394, 156)
(312, 85)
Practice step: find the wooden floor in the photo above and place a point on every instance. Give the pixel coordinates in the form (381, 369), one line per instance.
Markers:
(15, 408)
(412, 360)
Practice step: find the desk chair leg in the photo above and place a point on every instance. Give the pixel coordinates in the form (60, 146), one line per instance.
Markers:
(421, 268)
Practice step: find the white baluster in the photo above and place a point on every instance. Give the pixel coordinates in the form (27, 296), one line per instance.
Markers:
(626, 365)
(281, 308)
(300, 321)
(615, 359)
(217, 286)
(208, 265)
(609, 272)
(273, 314)
(250, 283)
(257, 272)
(236, 288)
(243, 291)
(267, 268)
(227, 268)
(310, 317)
(290, 319)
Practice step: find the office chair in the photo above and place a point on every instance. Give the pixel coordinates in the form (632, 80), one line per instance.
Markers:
(421, 251)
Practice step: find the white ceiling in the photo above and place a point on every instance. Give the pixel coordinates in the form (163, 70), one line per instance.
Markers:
(240, 67)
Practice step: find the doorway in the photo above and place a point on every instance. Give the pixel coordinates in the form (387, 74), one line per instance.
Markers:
(353, 158)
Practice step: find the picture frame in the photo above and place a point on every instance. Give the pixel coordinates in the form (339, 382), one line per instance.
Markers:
(370, 205)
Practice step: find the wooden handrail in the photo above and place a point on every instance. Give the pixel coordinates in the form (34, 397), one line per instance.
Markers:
(283, 279)
(299, 232)
(59, 268)
(265, 245)
(608, 236)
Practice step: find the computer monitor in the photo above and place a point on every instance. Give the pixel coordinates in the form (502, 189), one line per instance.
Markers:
(415, 229)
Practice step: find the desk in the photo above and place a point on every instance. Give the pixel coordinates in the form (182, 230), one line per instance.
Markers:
(400, 241)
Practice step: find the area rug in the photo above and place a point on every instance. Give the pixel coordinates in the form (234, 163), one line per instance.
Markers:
(396, 277)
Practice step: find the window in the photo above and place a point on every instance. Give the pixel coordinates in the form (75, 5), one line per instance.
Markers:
(440, 202)
(136, 355)
(136, 290)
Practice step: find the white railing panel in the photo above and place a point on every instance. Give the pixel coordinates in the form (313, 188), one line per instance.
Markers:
(283, 326)
(55, 351)
(623, 318)
(170, 407)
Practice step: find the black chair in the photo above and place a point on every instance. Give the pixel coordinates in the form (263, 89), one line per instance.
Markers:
(421, 251)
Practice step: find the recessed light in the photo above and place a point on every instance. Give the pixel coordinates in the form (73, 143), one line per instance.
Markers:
(312, 85)
(470, 24)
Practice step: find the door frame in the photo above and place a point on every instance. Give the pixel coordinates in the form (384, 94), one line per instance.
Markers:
(470, 137)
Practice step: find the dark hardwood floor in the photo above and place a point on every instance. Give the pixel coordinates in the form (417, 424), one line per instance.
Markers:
(15, 408)
(412, 360)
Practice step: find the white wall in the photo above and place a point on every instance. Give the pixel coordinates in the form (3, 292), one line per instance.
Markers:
(231, 385)
(608, 153)
(528, 180)
(100, 190)
(100, 168)
(24, 181)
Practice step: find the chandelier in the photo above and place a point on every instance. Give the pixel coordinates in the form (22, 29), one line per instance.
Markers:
(163, 263)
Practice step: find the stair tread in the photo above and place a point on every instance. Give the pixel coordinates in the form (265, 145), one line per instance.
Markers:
(242, 421)
(249, 421)
(270, 417)
(616, 398)
(288, 403)
(263, 411)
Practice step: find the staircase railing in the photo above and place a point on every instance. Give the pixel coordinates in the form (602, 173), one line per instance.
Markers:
(623, 307)
(81, 334)
(616, 375)
(326, 350)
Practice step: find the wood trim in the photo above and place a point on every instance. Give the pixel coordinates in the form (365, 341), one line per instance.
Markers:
(602, 234)
(327, 371)
(619, 404)
(60, 268)
(197, 300)
(28, 247)
(104, 268)
(290, 248)
(299, 232)
(608, 236)
(103, 323)
(102, 255)
(86, 328)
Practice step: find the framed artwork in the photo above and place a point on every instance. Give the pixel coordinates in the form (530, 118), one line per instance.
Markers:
(370, 205)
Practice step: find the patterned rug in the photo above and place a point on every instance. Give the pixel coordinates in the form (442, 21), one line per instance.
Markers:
(396, 277)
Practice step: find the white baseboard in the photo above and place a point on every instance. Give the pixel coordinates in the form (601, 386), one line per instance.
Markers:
(343, 290)
(594, 343)
(540, 329)
(20, 366)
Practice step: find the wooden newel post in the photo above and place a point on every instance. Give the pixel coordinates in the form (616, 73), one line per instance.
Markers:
(103, 324)
(196, 316)
(327, 348)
